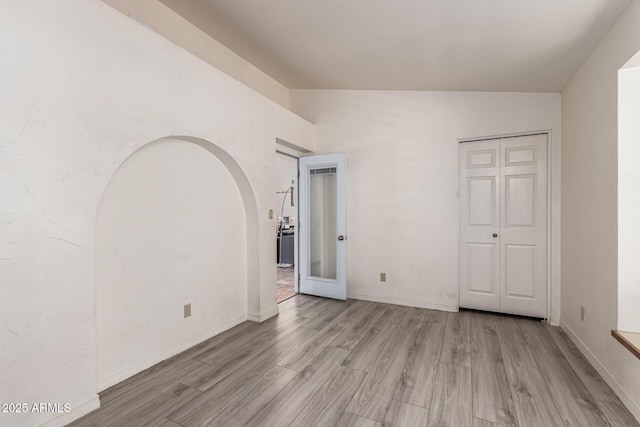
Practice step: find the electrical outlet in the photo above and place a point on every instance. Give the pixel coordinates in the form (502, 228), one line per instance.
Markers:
(187, 310)
(270, 213)
(383, 277)
(583, 312)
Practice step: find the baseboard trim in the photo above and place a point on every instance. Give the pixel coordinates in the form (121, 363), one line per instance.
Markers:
(269, 314)
(77, 411)
(554, 322)
(632, 406)
(408, 303)
(259, 318)
(122, 375)
(253, 318)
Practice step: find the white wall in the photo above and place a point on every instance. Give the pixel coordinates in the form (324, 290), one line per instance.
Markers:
(82, 87)
(629, 196)
(183, 33)
(402, 178)
(589, 207)
(171, 231)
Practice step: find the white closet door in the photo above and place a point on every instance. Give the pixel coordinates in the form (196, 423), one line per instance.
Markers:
(479, 223)
(503, 225)
(523, 236)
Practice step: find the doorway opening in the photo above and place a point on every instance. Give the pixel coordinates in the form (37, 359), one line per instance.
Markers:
(286, 230)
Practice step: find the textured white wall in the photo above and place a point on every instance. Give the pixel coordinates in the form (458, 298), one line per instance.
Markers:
(82, 87)
(589, 207)
(402, 181)
(171, 230)
(174, 27)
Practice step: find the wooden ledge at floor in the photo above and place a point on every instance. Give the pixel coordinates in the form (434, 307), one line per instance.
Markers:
(630, 340)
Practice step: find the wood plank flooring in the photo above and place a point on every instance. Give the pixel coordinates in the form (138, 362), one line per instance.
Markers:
(356, 363)
(285, 283)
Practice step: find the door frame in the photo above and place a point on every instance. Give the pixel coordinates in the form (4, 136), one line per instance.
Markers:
(294, 154)
(550, 224)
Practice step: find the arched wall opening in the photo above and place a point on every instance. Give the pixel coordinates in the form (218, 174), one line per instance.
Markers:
(177, 225)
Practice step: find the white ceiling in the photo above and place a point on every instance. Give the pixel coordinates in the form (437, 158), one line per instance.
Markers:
(477, 45)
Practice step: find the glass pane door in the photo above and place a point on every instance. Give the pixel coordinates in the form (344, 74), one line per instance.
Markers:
(323, 223)
(323, 215)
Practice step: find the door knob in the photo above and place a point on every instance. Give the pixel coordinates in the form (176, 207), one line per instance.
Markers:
(495, 234)
(341, 238)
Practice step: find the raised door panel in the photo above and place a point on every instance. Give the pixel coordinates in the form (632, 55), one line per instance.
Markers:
(520, 271)
(481, 158)
(521, 156)
(482, 277)
(520, 200)
(481, 193)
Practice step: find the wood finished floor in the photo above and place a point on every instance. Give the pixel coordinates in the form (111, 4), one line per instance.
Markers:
(355, 363)
(285, 283)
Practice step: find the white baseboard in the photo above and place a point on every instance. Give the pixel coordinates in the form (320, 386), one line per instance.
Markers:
(269, 314)
(259, 318)
(253, 317)
(130, 371)
(77, 411)
(408, 303)
(554, 322)
(628, 401)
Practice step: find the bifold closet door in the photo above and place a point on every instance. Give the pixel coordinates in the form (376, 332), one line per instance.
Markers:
(503, 225)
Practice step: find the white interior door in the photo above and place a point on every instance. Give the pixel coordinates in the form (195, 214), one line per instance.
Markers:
(503, 225)
(480, 225)
(323, 226)
(523, 237)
